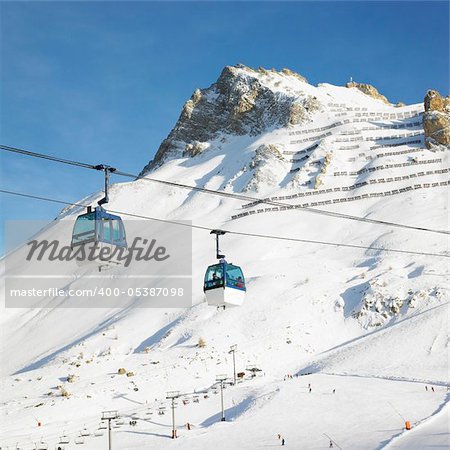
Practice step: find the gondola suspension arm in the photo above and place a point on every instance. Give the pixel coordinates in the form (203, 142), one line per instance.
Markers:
(218, 233)
(106, 170)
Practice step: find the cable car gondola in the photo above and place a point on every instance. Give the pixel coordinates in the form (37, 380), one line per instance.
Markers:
(224, 283)
(97, 229)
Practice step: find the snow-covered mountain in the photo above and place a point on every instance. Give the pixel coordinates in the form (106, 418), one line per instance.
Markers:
(365, 330)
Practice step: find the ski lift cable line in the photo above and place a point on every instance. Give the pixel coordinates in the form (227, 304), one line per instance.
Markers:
(48, 157)
(222, 193)
(288, 205)
(237, 233)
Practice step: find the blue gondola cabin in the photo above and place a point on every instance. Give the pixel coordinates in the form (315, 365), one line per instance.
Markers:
(99, 229)
(224, 285)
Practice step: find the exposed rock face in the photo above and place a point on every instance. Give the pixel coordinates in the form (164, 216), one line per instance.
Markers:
(319, 178)
(299, 111)
(436, 119)
(264, 153)
(293, 74)
(297, 114)
(195, 148)
(368, 89)
(379, 303)
(433, 101)
(267, 159)
(238, 103)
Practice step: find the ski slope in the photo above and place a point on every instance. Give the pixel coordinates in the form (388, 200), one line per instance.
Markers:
(372, 325)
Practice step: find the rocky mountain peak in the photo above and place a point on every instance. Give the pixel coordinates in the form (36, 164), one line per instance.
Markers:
(241, 101)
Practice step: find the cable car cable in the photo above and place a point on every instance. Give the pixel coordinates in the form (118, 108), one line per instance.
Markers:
(238, 233)
(48, 157)
(226, 194)
(288, 205)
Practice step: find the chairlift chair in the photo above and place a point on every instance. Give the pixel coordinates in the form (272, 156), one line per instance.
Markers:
(79, 440)
(64, 439)
(41, 446)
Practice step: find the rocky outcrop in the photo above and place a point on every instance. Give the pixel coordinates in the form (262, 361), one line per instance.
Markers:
(368, 89)
(294, 74)
(189, 106)
(323, 170)
(240, 102)
(380, 302)
(264, 153)
(266, 165)
(436, 119)
(299, 112)
(195, 148)
(433, 101)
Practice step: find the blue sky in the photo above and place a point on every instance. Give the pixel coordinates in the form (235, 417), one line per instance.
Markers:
(104, 82)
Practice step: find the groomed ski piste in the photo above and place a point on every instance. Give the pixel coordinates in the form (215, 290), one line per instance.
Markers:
(350, 343)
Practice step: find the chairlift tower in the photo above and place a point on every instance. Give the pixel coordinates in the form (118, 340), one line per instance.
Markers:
(172, 396)
(221, 379)
(233, 351)
(109, 415)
